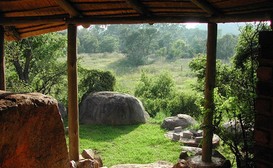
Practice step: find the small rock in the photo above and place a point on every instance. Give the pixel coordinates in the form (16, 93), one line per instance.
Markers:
(198, 139)
(187, 134)
(182, 120)
(176, 137)
(90, 154)
(193, 150)
(88, 163)
(178, 129)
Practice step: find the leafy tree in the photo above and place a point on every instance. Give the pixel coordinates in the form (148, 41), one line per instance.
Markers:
(138, 45)
(88, 42)
(95, 80)
(179, 49)
(33, 64)
(226, 46)
(109, 44)
(234, 95)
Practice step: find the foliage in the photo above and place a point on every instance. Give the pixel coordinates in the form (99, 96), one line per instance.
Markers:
(226, 46)
(95, 80)
(88, 42)
(234, 95)
(138, 144)
(159, 96)
(33, 65)
(179, 49)
(108, 44)
(138, 45)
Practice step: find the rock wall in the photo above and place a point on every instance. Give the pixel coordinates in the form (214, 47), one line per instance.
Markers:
(264, 110)
(31, 132)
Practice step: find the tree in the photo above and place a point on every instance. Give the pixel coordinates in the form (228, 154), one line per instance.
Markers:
(88, 41)
(138, 45)
(226, 46)
(234, 95)
(109, 44)
(179, 49)
(33, 64)
(95, 80)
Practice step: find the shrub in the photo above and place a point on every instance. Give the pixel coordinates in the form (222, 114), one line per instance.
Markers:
(95, 80)
(159, 95)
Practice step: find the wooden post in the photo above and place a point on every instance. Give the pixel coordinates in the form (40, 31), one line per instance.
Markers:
(73, 110)
(209, 87)
(2, 60)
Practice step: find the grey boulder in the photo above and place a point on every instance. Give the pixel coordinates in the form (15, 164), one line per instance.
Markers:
(182, 120)
(112, 108)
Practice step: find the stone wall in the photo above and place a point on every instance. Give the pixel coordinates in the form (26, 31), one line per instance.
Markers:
(264, 103)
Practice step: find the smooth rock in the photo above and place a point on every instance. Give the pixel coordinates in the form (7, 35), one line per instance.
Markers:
(182, 120)
(111, 108)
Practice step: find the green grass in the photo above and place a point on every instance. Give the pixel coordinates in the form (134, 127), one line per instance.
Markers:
(127, 76)
(143, 143)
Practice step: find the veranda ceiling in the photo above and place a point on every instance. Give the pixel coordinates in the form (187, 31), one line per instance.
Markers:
(24, 18)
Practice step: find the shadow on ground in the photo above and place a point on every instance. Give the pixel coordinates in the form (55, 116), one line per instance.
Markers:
(104, 132)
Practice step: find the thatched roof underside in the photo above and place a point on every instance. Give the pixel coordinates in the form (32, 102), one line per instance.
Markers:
(24, 18)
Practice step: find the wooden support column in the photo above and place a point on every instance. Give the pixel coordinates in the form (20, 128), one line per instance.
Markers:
(2, 60)
(73, 110)
(209, 88)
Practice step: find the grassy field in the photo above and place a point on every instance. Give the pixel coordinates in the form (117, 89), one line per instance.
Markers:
(128, 77)
(143, 143)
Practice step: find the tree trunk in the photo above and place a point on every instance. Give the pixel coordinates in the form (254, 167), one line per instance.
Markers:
(209, 88)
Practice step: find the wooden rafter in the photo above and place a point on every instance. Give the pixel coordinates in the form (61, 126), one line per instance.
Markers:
(11, 21)
(139, 7)
(69, 8)
(206, 6)
(12, 31)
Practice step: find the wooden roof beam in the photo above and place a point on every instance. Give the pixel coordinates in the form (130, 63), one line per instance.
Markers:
(206, 6)
(67, 6)
(139, 7)
(11, 31)
(70, 9)
(12, 21)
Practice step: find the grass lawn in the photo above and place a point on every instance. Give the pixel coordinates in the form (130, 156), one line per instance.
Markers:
(144, 143)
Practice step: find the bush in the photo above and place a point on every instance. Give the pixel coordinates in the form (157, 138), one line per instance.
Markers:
(95, 80)
(159, 95)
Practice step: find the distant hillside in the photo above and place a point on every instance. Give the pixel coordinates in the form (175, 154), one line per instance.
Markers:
(225, 28)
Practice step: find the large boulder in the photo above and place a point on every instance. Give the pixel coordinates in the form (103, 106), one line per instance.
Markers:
(111, 108)
(32, 132)
(182, 120)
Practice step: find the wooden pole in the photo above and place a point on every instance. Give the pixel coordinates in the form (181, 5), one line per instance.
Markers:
(209, 88)
(73, 111)
(2, 60)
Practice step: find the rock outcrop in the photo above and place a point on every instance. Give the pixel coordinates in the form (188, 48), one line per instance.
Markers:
(182, 120)
(111, 108)
(32, 132)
